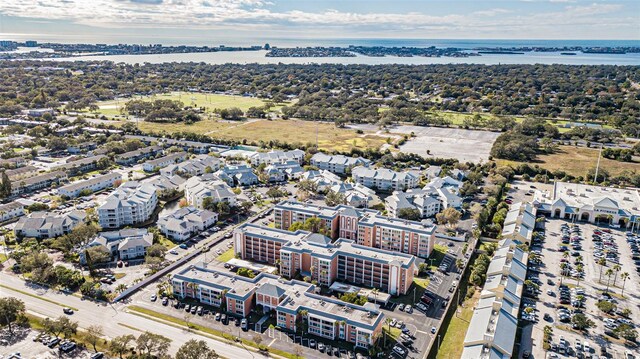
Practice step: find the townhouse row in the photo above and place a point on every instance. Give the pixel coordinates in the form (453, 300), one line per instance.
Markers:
(294, 303)
(365, 226)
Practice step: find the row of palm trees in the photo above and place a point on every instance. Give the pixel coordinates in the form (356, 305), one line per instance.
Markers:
(613, 271)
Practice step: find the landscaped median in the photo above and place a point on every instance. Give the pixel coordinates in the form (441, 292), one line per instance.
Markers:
(38, 297)
(206, 331)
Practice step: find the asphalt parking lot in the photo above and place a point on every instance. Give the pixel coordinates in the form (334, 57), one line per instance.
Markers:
(557, 305)
(23, 343)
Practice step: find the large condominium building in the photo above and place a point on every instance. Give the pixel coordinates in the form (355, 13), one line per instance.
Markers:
(48, 225)
(493, 326)
(11, 210)
(123, 244)
(94, 184)
(338, 163)
(132, 203)
(21, 172)
(313, 255)
(292, 301)
(196, 189)
(273, 157)
(365, 226)
(385, 179)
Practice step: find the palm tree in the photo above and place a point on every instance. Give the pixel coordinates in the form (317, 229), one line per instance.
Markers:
(624, 277)
(579, 268)
(617, 269)
(602, 262)
(563, 266)
(608, 273)
(565, 254)
(375, 292)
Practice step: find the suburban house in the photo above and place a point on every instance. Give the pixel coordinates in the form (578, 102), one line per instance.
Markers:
(27, 185)
(326, 317)
(132, 157)
(186, 222)
(43, 225)
(94, 184)
(338, 164)
(196, 189)
(162, 162)
(132, 203)
(124, 244)
(11, 210)
(385, 179)
(277, 157)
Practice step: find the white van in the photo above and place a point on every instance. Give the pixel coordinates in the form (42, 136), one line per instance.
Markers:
(587, 347)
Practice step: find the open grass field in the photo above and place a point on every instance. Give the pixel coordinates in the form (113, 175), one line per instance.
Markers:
(577, 161)
(210, 102)
(452, 343)
(293, 131)
(226, 256)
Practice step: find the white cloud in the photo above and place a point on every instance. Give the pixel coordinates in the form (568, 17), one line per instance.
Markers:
(259, 16)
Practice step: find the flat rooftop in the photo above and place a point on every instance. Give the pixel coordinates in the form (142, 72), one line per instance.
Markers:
(580, 195)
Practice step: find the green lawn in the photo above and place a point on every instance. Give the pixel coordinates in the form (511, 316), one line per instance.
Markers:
(420, 285)
(3, 258)
(436, 256)
(452, 343)
(226, 256)
(38, 297)
(181, 323)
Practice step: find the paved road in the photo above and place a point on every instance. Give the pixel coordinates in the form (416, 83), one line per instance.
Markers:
(110, 317)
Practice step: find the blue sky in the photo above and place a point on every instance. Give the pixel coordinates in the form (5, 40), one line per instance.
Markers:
(252, 21)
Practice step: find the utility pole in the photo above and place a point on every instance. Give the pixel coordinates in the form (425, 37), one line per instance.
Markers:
(598, 165)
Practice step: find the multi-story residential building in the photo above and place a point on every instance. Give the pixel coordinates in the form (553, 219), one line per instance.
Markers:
(445, 182)
(27, 185)
(185, 222)
(11, 210)
(429, 201)
(191, 146)
(94, 184)
(493, 326)
(338, 163)
(197, 166)
(277, 157)
(21, 172)
(281, 171)
(313, 255)
(131, 157)
(132, 203)
(82, 147)
(48, 225)
(124, 244)
(238, 175)
(80, 166)
(385, 179)
(14, 162)
(365, 226)
(289, 299)
(196, 189)
(355, 194)
(168, 185)
(159, 163)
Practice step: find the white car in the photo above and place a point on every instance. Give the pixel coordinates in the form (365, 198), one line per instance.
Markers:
(398, 350)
